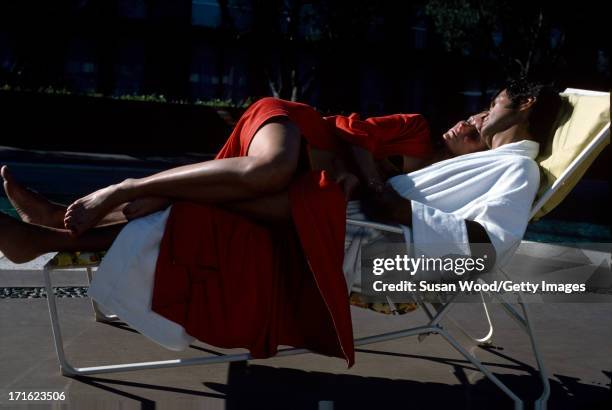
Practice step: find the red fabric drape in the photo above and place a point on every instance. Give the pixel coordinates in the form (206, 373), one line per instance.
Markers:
(396, 134)
(233, 282)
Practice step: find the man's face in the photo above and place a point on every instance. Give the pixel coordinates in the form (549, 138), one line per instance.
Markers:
(501, 116)
(464, 137)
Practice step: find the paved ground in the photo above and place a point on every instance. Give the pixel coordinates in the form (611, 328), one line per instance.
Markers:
(576, 340)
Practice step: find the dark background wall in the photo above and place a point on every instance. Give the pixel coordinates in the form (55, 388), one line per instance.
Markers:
(91, 124)
(440, 58)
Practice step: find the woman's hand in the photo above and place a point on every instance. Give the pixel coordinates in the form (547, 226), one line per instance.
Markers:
(348, 182)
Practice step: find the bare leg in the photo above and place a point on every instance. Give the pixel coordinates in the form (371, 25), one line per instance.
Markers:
(34, 208)
(269, 166)
(21, 242)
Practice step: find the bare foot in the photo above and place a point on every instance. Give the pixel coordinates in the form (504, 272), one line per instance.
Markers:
(31, 206)
(86, 212)
(16, 240)
(145, 206)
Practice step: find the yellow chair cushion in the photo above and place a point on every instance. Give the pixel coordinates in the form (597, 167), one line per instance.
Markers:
(76, 259)
(577, 123)
(358, 300)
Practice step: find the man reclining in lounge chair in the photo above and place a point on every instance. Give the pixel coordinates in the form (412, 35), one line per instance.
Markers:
(509, 123)
(482, 197)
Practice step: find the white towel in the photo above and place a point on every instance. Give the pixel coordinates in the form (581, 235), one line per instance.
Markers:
(124, 281)
(495, 188)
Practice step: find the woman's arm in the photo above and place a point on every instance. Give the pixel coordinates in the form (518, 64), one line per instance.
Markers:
(367, 169)
(379, 201)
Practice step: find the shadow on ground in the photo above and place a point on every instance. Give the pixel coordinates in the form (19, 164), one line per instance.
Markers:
(257, 386)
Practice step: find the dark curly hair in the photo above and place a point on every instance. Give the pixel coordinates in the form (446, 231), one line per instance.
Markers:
(543, 112)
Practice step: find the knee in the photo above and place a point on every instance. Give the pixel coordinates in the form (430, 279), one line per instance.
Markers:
(274, 155)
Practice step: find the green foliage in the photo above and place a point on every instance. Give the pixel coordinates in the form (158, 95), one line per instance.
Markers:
(516, 33)
(455, 21)
(218, 103)
(153, 98)
(158, 98)
(44, 90)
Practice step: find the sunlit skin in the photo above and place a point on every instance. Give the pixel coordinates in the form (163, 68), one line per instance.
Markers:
(219, 181)
(504, 123)
(464, 137)
(34, 208)
(460, 139)
(255, 184)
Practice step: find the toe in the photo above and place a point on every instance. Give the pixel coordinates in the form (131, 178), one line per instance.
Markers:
(76, 205)
(71, 225)
(6, 175)
(74, 223)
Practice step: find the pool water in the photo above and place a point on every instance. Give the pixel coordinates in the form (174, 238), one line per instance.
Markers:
(6, 207)
(552, 230)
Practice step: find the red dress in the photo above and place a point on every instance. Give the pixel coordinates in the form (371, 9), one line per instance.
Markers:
(233, 282)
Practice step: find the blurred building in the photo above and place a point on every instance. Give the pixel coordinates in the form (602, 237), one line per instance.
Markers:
(207, 49)
(339, 55)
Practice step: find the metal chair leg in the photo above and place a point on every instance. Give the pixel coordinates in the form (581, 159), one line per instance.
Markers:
(487, 339)
(65, 368)
(542, 401)
(518, 403)
(99, 315)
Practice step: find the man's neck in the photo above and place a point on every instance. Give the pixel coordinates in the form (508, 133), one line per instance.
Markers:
(516, 133)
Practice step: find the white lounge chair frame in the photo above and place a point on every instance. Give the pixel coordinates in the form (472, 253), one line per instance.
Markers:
(436, 313)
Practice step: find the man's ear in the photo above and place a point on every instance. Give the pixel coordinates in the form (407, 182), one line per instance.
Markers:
(527, 103)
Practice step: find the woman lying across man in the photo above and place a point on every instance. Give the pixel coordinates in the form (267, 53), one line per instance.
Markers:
(244, 275)
(255, 182)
